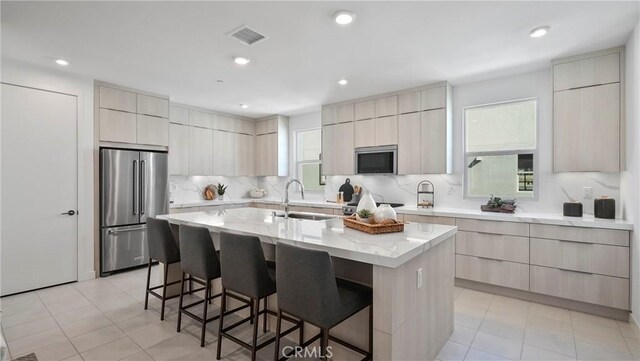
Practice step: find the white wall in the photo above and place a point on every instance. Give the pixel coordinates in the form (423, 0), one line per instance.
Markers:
(60, 81)
(630, 183)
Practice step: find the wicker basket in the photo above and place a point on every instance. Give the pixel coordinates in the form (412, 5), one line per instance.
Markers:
(352, 222)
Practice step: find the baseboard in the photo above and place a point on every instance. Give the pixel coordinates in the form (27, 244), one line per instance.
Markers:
(598, 310)
(85, 276)
(634, 323)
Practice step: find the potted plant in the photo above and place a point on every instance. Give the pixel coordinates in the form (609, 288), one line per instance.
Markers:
(365, 215)
(221, 189)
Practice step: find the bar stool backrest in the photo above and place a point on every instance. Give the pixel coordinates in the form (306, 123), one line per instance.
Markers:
(244, 268)
(161, 242)
(199, 257)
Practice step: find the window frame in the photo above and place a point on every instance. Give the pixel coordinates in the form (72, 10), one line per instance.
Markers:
(465, 154)
(299, 163)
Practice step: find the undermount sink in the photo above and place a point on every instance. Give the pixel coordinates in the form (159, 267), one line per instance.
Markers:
(307, 216)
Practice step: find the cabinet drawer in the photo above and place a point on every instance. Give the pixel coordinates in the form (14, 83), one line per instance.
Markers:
(430, 219)
(178, 115)
(613, 237)
(434, 98)
(345, 113)
(117, 99)
(495, 246)
(116, 126)
(501, 273)
(152, 130)
(409, 102)
(154, 106)
(200, 119)
(586, 257)
(267, 126)
(387, 106)
(590, 288)
(586, 72)
(509, 228)
(365, 110)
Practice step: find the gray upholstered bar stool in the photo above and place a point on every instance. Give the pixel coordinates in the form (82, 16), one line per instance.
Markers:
(200, 261)
(246, 272)
(163, 248)
(309, 290)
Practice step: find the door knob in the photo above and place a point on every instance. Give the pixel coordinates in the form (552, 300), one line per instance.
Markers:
(71, 212)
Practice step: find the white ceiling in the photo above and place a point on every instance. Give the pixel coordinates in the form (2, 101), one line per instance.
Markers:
(181, 49)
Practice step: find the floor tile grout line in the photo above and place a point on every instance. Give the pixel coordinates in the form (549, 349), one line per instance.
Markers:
(60, 326)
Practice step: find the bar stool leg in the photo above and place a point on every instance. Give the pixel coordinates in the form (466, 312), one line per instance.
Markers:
(371, 332)
(180, 303)
(277, 345)
(146, 293)
(264, 320)
(207, 292)
(164, 290)
(301, 333)
(223, 309)
(324, 343)
(256, 324)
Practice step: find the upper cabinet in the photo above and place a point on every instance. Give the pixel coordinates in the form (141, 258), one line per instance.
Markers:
(271, 147)
(418, 121)
(116, 99)
(178, 115)
(153, 106)
(202, 119)
(588, 123)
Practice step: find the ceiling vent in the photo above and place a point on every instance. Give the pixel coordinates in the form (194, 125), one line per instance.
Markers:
(247, 35)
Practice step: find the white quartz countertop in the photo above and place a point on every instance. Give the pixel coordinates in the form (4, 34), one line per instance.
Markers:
(518, 216)
(387, 250)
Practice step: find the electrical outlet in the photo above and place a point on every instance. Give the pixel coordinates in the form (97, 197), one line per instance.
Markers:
(587, 192)
(419, 278)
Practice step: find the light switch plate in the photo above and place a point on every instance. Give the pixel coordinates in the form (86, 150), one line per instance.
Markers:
(419, 278)
(587, 192)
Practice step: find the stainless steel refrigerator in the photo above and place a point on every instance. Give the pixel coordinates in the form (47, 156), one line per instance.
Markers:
(134, 185)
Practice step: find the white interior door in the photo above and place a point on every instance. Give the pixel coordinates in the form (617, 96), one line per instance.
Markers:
(39, 241)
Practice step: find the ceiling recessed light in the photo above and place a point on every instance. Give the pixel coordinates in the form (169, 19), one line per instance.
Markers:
(219, 81)
(342, 82)
(539, 32)
(240, 60)
(62, 62)
(344, 17)
(244, 106)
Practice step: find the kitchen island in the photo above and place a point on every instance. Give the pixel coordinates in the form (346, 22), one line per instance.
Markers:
(411, 273)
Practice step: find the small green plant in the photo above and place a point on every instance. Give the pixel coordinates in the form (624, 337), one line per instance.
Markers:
(495, 202)
(365, 213)
(221, 188)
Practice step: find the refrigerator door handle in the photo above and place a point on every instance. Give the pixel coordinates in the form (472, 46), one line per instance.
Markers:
(143, 175)
(135, 187)
(116, 231)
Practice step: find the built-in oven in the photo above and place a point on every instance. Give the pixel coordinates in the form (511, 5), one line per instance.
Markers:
(377, 160)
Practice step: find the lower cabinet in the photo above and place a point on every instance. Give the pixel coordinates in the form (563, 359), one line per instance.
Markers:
(491, 271)
(495, 246)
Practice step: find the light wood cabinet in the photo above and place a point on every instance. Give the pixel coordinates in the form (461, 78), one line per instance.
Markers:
(152, 130)
(365, 110)
(409, 144)
(386, 130)
(272, 146)
(329, 149)
(338, 149)
(596, 70)
(495, 272)
(200, 151)
(267, 154)
(153, 106)
(245, 126)
(614, 237)
(447, 221)
(433, 130)
(117, 126)
(586, 129)
(223, 157)
(365, 133)
(497, 227)
(494, 246)
(116, 99)
(266, 126)
(329, 115)
(223, 122)
(409, 102)
(345, 113)
(434, 98)
(178, 149)
(387, 106)
(178, 115)
(245, 155)
(201, 119)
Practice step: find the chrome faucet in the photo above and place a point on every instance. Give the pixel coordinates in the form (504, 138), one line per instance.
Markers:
(286, 195)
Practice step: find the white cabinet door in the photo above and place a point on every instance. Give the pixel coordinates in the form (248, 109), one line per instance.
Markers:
(223, 122)
(200, 151)
(365, 110)
(409, 144)
(345, 113)
(434, 141)
(386, 130)
(117, 99)
(152, 130)
(434, 98)
(344, 151)
(245, 151)
(329, 149)
(387, 106)
(223, 156)
(365, 133)
(245, 126)
(586, 129)
(116, 126)
(409, 102)
(178, 115)
(267, 154)
(602, 69)
(329, 115)
(178, 149)
(200, 119)
(154, 106)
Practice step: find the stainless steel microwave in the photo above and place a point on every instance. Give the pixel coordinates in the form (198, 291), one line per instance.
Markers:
(377, 160)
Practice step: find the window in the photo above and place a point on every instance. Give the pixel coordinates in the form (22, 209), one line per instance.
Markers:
(308, 164)
(500, 149)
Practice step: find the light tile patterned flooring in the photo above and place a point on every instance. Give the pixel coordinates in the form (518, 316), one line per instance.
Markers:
(103, 319)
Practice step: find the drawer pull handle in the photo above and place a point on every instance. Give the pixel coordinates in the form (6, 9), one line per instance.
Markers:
(490, 234)
(579, 242)
(574, 271)
(490, 259)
